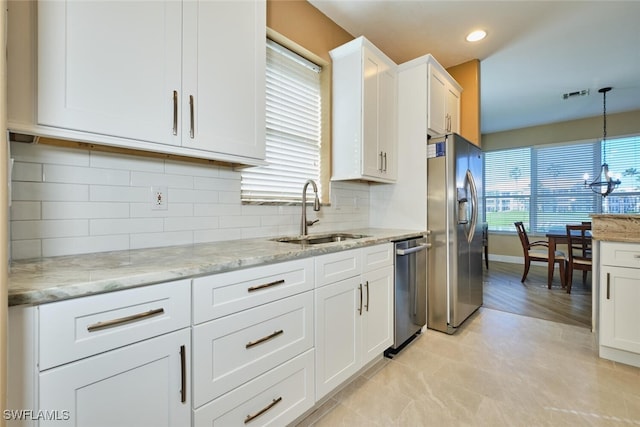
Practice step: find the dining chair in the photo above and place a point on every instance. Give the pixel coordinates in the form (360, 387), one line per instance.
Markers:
(579, 248)
(532, 252)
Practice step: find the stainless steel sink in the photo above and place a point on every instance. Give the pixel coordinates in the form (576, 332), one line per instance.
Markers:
(318, 239)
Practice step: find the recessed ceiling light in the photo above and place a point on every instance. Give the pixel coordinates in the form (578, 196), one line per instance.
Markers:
(476, 35)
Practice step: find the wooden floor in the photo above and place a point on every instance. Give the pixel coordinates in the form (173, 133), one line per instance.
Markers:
(503, 291)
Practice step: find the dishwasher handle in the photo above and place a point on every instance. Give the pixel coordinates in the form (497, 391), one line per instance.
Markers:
(420, 247)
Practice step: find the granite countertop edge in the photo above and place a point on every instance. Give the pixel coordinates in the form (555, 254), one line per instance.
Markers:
(44, 280)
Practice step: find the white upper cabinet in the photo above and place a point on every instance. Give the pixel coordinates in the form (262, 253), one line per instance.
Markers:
(183, 78)
(443, 108)
(364, 113)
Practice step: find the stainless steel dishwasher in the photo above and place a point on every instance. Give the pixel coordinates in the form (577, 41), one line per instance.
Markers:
(410, 299)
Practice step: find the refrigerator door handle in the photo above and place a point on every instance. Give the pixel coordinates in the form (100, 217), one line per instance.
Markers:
(474, 205)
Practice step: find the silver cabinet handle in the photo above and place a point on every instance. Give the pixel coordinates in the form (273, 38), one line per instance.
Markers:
(124, 320)
(367, 286)
(385, 161)
(380, 168)
(273, 403)
(264, 339)
(360, 308)
(192, 119)
(175, 112)
(608, 286)
(183, 374)
(266, 285)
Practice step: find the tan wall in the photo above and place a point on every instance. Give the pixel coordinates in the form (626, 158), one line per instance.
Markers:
(4, 257)
(468, 76)
(302, 23)
(619, 124)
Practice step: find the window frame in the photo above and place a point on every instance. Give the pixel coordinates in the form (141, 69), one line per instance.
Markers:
(325, 118)
(532, 216)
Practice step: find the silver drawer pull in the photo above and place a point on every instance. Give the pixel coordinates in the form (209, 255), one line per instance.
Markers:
(263, 410)
(263, 339)
(124, 320)
(266, 285)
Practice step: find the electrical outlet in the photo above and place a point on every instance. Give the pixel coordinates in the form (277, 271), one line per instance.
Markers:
(159, 200)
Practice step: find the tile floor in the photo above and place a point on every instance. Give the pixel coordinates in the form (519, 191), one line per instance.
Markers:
(500, 369)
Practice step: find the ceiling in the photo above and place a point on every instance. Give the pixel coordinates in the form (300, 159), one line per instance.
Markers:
(535, 51)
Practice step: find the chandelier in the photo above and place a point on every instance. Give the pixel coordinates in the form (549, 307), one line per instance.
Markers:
(604, 183)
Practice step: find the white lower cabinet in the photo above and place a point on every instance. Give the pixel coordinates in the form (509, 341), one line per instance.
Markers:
(143, 384)
(354, 318)
(619, 301)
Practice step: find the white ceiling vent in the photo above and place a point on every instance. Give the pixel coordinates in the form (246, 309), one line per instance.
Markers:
(575, 94)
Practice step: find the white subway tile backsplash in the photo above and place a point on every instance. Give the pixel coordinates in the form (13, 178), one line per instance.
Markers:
(143, 210)
(36, 191)
(95, 202)
(191, 169)
(147, 179)
(23, 249)
(47, 154)
(27, 172)
(84, 245)
(25, 230)
(84, 175)
(239, 221)
(26, 210)
(190, 223)
(108, 193)
(125, 162)
(104, 227)
(153, 240)
(89, 210)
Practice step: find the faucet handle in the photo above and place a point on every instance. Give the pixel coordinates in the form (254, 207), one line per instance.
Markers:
(310, 223)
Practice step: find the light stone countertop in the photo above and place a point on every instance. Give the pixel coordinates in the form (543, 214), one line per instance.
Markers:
(616, 227)
(43, 280)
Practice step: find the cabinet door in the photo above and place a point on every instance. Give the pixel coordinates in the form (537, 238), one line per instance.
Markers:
(619, 315)
(143, 384)
(436, 115)
(371, 155)
(453, 110)
(110, 67)
(387, 123)
(223, 100)
(338, 322)
(377, 325)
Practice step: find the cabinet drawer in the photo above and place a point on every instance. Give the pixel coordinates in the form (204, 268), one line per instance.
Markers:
(275, 398)
(232, 350)
(222, 294)
(337, 266)
(77, 328)
(377, 256)
(620, 254)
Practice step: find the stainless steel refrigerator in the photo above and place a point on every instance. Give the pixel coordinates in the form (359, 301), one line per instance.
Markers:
(454, 209)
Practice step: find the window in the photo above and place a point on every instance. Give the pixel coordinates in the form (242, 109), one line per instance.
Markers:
(293, 134)
(543, 186)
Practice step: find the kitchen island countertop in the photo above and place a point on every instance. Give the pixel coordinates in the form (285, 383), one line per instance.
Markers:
(616, 227)
(42, 280)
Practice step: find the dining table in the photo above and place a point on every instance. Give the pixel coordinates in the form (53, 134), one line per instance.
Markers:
(556, 236)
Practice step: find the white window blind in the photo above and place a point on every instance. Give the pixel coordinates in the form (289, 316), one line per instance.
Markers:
(293, 130)
(507, 187)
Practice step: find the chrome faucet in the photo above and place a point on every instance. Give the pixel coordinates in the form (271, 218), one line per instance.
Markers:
(316, 207)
